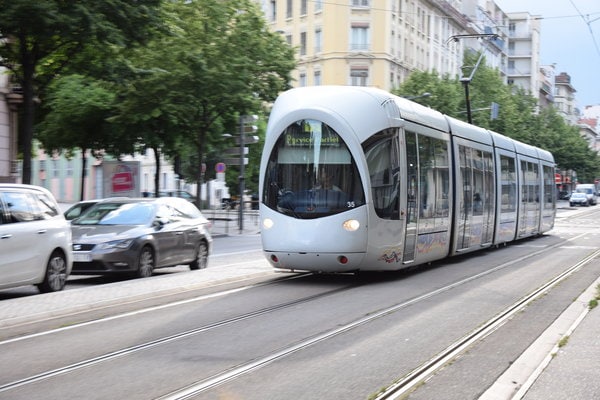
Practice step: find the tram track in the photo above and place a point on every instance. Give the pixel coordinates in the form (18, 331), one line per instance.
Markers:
(416, 376)
(410, 381)
(200, 386)
(154, 343)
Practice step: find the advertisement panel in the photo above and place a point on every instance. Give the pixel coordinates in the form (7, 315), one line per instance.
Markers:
(121, 178)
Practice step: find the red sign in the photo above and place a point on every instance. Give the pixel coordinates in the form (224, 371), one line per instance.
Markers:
(122, 179)
(557, 178)
(220, 167)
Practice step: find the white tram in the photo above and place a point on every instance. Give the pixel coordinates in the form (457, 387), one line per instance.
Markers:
(357, 179)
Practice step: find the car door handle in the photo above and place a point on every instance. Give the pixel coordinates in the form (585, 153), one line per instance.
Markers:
(7, 236)
(42, 231)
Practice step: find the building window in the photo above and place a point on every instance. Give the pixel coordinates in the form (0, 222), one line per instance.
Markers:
(69, 170)
(288, 39)
(318, 40)
(302, 80)
(303, 7)
(360, 3)
(318, 5)
(289, 8)
(55, 169)
(359, 76)
(273, 10)
(303, 43)
(359, 39)
(317, 78)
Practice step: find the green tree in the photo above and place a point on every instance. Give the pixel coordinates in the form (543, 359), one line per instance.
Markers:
(230, 64)
(41, 38)
(444, 93)
(78, 108)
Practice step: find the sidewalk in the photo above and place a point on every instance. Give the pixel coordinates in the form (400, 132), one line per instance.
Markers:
(563, 363)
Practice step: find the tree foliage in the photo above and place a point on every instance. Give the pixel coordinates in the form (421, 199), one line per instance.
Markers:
(230, 64)
(78, 109)
(41, 38)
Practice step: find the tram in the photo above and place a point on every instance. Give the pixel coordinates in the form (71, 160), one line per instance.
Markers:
(357, 179)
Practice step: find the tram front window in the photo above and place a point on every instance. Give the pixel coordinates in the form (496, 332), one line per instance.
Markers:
(311, 173)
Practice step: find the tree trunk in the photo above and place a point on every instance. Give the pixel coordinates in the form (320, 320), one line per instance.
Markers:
(83, 174)
(157, 170)
(28, 111)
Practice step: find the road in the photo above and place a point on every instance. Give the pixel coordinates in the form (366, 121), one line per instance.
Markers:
(307, 336)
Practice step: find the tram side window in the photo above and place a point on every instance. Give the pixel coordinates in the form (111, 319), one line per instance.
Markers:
(434, 183)
(531, 187)
(509, 184)
(548, 187)
(382, 154)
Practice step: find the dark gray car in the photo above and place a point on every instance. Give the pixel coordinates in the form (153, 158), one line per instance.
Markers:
(136, 236)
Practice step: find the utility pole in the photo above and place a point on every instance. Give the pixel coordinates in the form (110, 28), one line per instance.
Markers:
(244, 128)
(466, 80)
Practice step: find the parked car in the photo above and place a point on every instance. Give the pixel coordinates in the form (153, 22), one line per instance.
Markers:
(136, 236)
(172, 193)
(77, 209)
(35, 239)
(579, 199)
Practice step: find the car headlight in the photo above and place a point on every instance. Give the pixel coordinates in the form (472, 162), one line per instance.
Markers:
(115, 244)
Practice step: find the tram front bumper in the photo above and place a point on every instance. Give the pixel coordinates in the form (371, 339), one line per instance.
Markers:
(315, 262)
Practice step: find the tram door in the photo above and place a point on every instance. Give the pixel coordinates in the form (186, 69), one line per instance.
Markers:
(427, 221)
(412, 173)
(476, 205)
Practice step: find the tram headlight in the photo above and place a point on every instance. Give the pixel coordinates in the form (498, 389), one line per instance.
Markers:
(351, 225)
(267, 223)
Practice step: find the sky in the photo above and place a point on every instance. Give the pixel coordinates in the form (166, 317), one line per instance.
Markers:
(570, 39)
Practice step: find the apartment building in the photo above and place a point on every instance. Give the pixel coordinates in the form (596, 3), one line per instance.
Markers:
(564, 98)
(524, 52)
(380, 42)
(370, 42)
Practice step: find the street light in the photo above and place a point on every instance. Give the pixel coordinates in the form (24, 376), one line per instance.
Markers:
(464, 79)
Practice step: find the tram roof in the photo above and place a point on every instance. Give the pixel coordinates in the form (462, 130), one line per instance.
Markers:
(368, 110)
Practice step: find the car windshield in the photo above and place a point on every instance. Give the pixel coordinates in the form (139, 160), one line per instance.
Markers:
(117, 214)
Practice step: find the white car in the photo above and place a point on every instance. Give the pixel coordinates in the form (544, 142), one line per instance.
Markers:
(35, 239)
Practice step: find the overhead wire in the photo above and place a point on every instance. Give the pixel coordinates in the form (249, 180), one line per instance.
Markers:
(588, 22)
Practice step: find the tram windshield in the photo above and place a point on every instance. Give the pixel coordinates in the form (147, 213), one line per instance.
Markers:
(311, 173)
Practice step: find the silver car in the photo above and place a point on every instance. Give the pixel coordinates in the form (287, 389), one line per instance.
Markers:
(136, 236)
(579, 199)
(35, 239)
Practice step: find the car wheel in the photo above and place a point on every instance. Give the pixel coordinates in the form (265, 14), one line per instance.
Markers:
(56, 274)
(145, 263)
(201, 259)
(570, 204)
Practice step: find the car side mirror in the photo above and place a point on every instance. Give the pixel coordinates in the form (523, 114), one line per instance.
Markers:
(159, 222)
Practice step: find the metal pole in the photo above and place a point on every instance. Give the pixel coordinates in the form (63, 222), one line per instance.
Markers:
(241, 177)
(467, 99)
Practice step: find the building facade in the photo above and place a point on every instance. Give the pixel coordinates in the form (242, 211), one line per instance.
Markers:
(10, 99)
(524, 52)
(372, 42)
(380, 42)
